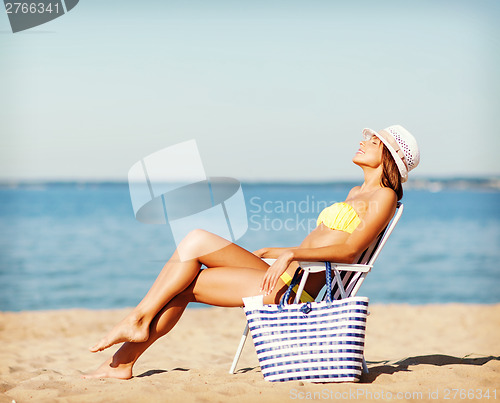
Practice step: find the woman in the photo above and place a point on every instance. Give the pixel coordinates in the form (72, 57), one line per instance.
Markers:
(344, 231)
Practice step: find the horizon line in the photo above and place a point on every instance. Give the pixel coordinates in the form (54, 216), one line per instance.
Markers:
(41, 181)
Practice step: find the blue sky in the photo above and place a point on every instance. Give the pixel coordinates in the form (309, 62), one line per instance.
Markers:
(274, 90)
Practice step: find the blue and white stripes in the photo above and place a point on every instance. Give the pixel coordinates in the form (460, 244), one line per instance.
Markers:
(324, 345)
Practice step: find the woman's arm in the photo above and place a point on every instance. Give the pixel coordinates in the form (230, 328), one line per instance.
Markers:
(378, 214)
(270, 253)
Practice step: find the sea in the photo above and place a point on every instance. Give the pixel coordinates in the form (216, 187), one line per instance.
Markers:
(79, 245)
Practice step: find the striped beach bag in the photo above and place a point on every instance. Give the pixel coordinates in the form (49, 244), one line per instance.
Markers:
(314, 341)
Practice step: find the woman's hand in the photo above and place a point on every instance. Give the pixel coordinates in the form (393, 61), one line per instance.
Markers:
(275, 271)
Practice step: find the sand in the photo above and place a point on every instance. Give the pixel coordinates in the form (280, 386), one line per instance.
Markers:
(414, 353)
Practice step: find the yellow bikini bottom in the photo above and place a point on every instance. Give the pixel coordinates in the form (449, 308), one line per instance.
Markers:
(305, 297)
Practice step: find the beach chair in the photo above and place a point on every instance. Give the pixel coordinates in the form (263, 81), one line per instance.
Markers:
(347, 278)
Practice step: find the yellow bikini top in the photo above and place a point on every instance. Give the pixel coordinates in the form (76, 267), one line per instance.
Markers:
(339, 216)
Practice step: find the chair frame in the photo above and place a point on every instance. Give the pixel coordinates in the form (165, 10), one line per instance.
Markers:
(347, 277)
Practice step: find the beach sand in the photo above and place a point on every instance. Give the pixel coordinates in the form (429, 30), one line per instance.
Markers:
(414, 353)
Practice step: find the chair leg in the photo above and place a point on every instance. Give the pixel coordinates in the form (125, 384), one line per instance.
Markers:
(301, 286)
(240, 349)
(365, 368)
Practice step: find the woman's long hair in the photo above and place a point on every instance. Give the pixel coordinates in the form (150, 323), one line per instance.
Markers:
(391, 177)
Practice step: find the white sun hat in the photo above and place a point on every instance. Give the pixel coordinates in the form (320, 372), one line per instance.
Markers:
(402, 146)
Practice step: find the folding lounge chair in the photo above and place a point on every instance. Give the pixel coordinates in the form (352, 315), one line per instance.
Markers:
(347, 278)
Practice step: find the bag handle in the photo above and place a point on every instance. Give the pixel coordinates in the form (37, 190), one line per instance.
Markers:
(295, 280)
(328, 273)
(298, 276)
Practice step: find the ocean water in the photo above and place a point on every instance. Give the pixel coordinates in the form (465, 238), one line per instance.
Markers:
(79, 245)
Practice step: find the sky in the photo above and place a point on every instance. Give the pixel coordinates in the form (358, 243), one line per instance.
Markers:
(270, 90)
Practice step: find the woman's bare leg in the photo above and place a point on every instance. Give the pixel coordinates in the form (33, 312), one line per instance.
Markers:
(203, 248)
(224, 286)
(121, 363)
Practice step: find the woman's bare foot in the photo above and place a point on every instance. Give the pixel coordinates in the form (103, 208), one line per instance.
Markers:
(110, 370)
(132, 328)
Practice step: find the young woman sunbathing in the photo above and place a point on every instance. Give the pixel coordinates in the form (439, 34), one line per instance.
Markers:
(343, 232)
